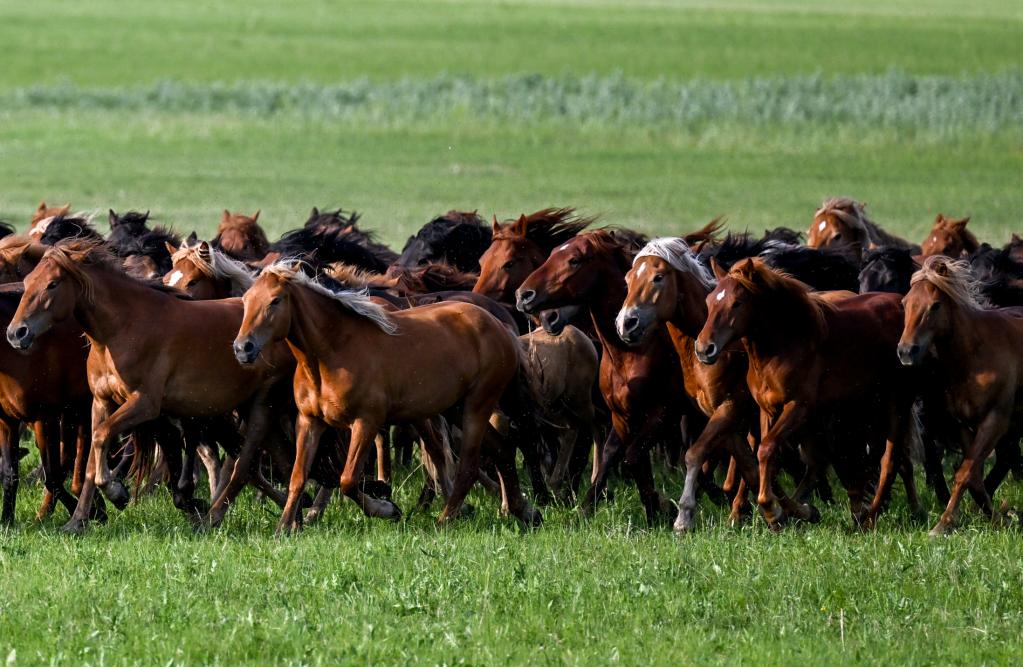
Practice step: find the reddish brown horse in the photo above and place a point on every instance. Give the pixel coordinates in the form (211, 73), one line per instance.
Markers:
(669, 287)
(977, 355)
(589, 271)
(810, 359)
(205, 273)
(19, 254)
(842, 223)
(43, 214)
(362, 367)
(950, 237)
(44, 388)
(151, 353)
(241, 237)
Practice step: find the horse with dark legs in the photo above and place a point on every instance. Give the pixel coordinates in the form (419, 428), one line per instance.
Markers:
(978, 355)
(375, 367)
(811, 359)
(589, 271)
(151, 353)
(950, 237)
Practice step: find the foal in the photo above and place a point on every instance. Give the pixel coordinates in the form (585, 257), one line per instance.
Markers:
(810, 357)
(362, 367)
(978, 358)
(151, 352)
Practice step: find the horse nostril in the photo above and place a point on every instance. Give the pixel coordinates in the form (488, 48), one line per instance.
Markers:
(527, 296)
(710, 349)
(631, 323)
(248, 346)
(21, 332)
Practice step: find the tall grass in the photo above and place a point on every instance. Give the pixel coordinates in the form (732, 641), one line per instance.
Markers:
(929, 105)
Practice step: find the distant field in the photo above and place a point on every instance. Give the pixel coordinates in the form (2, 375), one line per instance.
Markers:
(655, 114)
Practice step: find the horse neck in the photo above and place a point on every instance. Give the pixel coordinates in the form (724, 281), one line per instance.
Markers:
(315, 314)
(959, 342)
(785, 326)
(604, 302)
(115, 305)
(691, 310)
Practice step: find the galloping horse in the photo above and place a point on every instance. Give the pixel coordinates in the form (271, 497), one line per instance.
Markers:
(42, 215)
(810, 357)
(19, 254)
(152, 352)
(842, 223)
(205, 273)
(362, 367)
(950, 237)
(637, 382)
(978, 357)
(669, 286)
(241, 237)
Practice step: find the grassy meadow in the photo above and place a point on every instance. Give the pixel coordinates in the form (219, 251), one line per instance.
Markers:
(655, 114)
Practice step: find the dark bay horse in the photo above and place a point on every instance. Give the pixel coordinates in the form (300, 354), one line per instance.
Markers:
(152, 352)
(637, 382)
(950, 237)
(977, 354)
(362, 367)
(457, 238)
(810, 357)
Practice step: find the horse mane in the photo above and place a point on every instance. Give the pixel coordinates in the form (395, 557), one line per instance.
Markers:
(854, 214)
(215, 264)
(953, 278)
(901, 259)
(547, 228)
(620, 244)
(760, 279)
(357, 302)
(318, 246)
(61, 227)
(431, 278)
(677, 253)
(335, 218)
(6, 229)
(348, 229)
(74, 253)
(352, 276)
(17, 245)
(821, 268)
(706, 234)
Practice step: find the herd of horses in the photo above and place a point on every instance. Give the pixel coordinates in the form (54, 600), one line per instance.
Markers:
(745, 363)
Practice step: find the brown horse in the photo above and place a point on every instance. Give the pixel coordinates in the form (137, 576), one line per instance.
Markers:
(241, 237)
(205, 273)
(362, 367)
(43, 388)
(19, 254)
(589, 271)
(977, 355)
(812, 359)
(42, 215)
(668, 287)
(842, 223)
(950, 237)
(151, 353)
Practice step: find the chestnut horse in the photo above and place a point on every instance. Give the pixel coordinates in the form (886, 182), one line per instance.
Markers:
(950, 237)
(43, 387)
(151, 352)
(811, 358)
(42, 215)
(241, 237)
(978, 358)
(362, 367)
(842, 223)
(667, 285)
(589, 271)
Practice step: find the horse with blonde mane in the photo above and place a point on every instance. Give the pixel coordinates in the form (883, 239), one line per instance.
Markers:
(152, 352)
(813, 359)
(842, 223)
(977, 356)
(362, 367)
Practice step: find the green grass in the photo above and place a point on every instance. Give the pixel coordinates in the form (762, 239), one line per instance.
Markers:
(655, 114)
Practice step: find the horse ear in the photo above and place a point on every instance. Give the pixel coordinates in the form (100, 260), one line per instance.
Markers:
(255, 216)
(941, 268)
(192, 239)
(747, 267)
(112, 217)
(146, 216)
(226, 217)
(41, 208)
(520, 226)
(1016, 238)
(497, 225)
(960, 225)
(170, 247)
(719, 272)
(938, 219)
(64, 210)
(315, 212)
(204, 251)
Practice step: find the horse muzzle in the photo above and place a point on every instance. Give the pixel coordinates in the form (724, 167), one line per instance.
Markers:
(707, 353)
(245, 351)
(909, 354)
(525, 300)
(20, 336)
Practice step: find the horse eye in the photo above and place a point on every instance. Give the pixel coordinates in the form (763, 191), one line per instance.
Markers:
(838, 236)
(575, 261)
(52, 285)
(508, 265)
(274, 301)
(191, 283)
(659, 278)
(935, 307)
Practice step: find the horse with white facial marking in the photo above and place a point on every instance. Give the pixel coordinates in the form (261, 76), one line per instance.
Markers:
(362, 367)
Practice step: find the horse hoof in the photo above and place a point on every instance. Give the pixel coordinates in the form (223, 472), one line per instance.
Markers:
(532, 518)
(377, 489)
(74, 527)
(813, 515)
(940, 530)
(117, 494)
(395, 512)
(684, 522)
(288, 529)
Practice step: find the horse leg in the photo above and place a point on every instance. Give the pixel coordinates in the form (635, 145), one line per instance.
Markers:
(934, 452)
(511, 492)
(319, 506)
(241, 472)
(106, 427)
(383, 444)
(612, 452)
(721, 424)
(791, 417)
(637, 459)
(47, 434)
(9, 465)
(363, 436)
(561, 476)
(896, 453)
(468, 463)
(83, 445)
(308, 430)
(990, 431)
(437, 460)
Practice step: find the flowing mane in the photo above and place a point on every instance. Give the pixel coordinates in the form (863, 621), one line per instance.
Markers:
(760, 279)
(65, 226)
(357, 302)
(213, 263)
(954, 278)
(548, 228)
(854, 214)
(15, 246)
(677, 253)
(71, 255)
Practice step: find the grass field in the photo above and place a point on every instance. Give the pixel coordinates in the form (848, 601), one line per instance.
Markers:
(654, 114)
